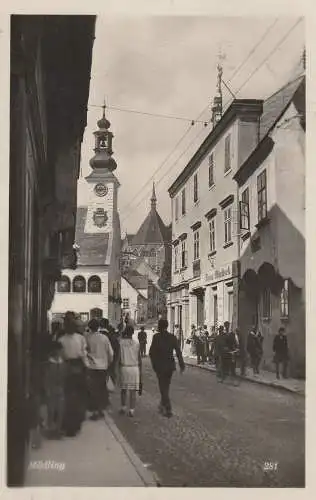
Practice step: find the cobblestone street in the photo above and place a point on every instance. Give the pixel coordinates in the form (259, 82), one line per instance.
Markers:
(220, 435)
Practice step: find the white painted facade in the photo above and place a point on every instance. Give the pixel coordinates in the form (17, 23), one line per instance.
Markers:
(130, 295)
(82, 303)
(205, 289)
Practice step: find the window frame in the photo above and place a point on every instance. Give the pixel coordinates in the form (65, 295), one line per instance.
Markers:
(212, 234)
(284, 300)
(176, 257)
(85, 284)
(228, 224)
(184, 259)
(244, 210)
(97, 279)
(176, 209)
(211, 177)
(183, 202)
(266, 304)
(196, 244)
(64, 279)
(262, 205)
(124, 303)
(227, 161)
(195, 188)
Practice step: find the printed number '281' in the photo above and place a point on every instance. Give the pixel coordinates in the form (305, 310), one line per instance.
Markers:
(270, 466)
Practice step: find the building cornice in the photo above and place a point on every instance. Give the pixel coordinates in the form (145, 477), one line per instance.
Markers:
(238, 108)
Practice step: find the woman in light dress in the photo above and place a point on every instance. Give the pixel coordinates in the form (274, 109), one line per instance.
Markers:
(130, 363)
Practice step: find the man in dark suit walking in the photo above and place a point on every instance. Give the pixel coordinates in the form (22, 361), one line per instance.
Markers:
(161, 354)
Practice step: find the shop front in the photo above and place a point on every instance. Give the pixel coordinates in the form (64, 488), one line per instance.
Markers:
(221, 296)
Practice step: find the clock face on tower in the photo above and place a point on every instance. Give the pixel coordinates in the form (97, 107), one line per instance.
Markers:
(101, 190)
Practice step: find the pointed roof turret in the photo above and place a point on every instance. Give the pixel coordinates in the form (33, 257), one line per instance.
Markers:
(153, 198)
(153, 229)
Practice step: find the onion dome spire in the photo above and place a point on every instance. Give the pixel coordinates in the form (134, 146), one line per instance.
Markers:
(103, 145)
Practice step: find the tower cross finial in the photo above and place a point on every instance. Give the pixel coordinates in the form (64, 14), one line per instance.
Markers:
(221, 58)
(103, 107)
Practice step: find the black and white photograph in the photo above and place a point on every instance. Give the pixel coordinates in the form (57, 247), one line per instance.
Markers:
(156, 257)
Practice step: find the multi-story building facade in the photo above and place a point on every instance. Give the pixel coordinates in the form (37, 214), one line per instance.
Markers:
(204, 286)
(271, 186)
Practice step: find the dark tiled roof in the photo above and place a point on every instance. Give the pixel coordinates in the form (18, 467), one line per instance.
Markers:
(93, 247)
(276, 104)
(136, 280)
(129, 238)
(152, 230)
(127, 278)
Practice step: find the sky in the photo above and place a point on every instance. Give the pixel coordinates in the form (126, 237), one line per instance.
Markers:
(167, 65)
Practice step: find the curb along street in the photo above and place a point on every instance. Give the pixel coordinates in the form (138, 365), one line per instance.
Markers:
(246, 378)
(149, 478)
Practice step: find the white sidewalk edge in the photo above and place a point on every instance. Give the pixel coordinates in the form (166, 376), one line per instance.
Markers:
(149, 478)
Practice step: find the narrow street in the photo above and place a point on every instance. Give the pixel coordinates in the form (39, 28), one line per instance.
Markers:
(220, 435)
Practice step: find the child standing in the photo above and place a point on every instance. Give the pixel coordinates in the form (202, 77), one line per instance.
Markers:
(54, 389)
(130, 363)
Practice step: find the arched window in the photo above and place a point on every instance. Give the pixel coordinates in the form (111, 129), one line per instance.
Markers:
(63, 285)
(94, 284)
(79, 284)
(96, 313)
(153, 252)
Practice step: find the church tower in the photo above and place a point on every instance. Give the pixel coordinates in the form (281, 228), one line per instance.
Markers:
(93, 289)
(103, 185)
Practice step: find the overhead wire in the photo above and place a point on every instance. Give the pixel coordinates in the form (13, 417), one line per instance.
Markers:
(155, 115)
(267, 31)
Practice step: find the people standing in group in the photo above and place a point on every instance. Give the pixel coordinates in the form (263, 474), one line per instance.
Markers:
(232, 343)
(221, 354)
(255, 349)
(74, 352)
(242, 354)
(142, 339)
(54, 390)
(130, 366)
(113, 337)
(100, 357)
(200, 345)
(192, 339)
(206, 336)
(162, 358)
(212, 341)
(281, 352)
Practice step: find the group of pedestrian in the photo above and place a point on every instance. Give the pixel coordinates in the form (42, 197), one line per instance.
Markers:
(83, 364)
(80, 368)
(226, 349)
(200, 341)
